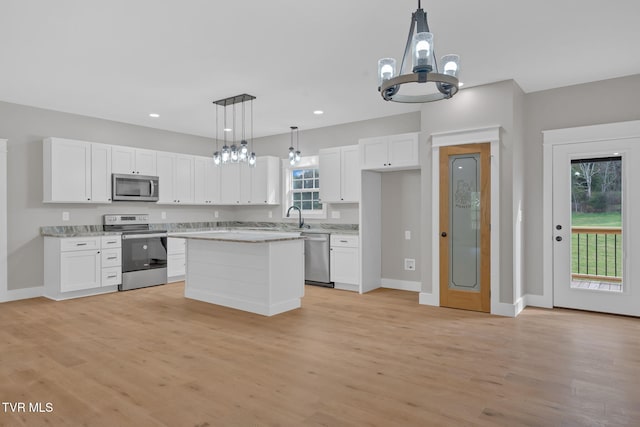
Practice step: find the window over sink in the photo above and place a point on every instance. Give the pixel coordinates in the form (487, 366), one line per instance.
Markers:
(302, 188)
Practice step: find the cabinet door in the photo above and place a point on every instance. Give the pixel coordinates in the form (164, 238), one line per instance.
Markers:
(245, 183)
(100, 173)
(230, 184)
(199, 180)
(79, 270)
(70, 163)
(183, 179)
(344, 265)
(373, 152)
(212, 182)
(330, 179)
(350, 174)
(145, 162)
(403, 150)
(165, 169)
(123, 159)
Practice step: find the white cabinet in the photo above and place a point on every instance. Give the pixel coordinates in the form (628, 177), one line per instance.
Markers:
(76, 171)
(394, 152)
(129, 160)
(340, 174)
(175, 259)
(81, 266)
(260, 185)
(265, 181)
(344, 262)
(175, 178)
(206, 181)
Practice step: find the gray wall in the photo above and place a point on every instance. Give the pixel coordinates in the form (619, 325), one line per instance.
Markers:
(477, 107)
(25, 127)
(609, 101)
(401, 204)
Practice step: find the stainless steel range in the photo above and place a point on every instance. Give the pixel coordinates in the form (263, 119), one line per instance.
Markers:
(144, 251)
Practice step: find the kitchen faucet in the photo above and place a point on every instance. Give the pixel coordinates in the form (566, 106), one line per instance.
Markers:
(300, 220)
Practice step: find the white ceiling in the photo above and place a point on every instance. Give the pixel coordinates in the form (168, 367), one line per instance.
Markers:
(123, 59)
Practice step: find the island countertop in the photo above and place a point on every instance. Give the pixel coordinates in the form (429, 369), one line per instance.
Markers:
(240, 236)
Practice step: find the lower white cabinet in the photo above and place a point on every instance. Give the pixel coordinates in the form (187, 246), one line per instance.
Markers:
(176, 259)
(81, 266)
(344, 259)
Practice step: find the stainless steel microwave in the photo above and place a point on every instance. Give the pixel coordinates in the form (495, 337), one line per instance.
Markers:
(137, 188)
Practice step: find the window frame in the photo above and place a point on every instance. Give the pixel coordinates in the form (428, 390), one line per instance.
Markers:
(307, 162)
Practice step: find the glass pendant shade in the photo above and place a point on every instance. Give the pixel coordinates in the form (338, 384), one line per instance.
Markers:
(252, 159)
(422, 52)
(225, 153)
(292, 153)
(244, 151)
(234, 153)
(296, 157)
(386, 69)
(216, 158)
(450, 65)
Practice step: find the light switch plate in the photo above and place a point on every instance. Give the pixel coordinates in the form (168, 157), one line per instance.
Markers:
(407, 235)
(163, 215)
(65, 216)
(270, 214)
(215, 214)
(335, 214)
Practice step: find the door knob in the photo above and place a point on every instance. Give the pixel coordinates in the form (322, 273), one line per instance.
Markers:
(443, 234)
(558, 238)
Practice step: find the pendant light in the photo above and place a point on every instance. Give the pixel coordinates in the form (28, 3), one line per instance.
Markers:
(425, 67)
(234, 153)
(294, 153)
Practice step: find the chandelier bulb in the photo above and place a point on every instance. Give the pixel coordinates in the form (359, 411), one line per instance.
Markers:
(252, 159)
(292, 153)
(296, 157)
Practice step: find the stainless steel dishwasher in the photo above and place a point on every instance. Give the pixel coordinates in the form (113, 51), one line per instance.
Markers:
(316, 259)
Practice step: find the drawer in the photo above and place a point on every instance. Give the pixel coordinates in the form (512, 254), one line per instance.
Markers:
(111, 241)
(346, 240)
(175, 246)
(111, 257)
(111, 276)
(79, 243)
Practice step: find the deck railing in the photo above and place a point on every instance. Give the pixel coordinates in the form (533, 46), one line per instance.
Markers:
(596, 253)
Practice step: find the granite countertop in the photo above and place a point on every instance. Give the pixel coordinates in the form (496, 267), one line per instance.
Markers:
(177, 229)
(243, 236)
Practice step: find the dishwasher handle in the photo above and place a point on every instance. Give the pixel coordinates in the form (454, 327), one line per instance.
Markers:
(316, 239)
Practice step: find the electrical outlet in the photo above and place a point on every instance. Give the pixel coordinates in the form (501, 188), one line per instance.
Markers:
(335, 214)
(407, 235)
(215, 214)
(409, 264)
(270, 214)
(65, 216)
(163, 215)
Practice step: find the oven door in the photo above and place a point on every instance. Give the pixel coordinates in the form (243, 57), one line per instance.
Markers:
(144, 251)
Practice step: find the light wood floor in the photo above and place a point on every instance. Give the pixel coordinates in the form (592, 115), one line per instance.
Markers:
(151, 357)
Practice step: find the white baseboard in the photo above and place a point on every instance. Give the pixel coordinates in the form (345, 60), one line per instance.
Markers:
(538, 301)
(508, 309)
(403, 285)
(429, 299)
(18, 294)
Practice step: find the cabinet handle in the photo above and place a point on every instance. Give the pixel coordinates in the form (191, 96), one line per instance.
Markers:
(109, 199)
(98, 251)
(81, 244)
(344, 241)
(113, 276)
(112, 257)
(88, 198)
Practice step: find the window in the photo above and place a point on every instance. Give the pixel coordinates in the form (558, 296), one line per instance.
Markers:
(302, 188)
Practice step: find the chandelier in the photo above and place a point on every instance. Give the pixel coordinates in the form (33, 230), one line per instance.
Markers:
(235, 153)
(294, 153)
(425, 67)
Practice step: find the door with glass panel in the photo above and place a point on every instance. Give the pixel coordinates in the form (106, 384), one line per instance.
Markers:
(465, 223)
(594, 231)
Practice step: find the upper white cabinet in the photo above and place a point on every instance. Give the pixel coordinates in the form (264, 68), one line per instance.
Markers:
(131, 160)
(176, 178)
(392, 152)
(206, 182)
(340, 174)
(76, 171)
(240, 184)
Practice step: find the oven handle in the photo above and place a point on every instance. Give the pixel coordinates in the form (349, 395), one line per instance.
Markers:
(143, 236)
(153, 187)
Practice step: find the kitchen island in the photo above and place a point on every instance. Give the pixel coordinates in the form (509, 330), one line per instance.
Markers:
(257, 271)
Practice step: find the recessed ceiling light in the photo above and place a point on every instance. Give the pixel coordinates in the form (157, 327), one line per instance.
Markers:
(318, 112)
(616, 154)
(227, 129)
(154, 115)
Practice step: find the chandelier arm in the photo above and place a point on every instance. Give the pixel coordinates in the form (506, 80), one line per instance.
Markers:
(439, 79)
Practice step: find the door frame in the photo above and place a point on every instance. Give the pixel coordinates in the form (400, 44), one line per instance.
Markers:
(550, 138)
(3, 221)
(490, 134)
